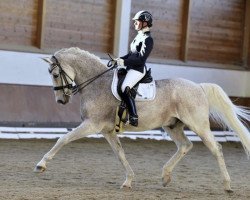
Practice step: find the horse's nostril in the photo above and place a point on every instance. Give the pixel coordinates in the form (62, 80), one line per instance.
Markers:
(60, 101)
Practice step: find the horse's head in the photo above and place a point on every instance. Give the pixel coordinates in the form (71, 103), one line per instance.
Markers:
(62, 78)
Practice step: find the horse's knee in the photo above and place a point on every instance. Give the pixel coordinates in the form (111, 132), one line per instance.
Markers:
(184, 148)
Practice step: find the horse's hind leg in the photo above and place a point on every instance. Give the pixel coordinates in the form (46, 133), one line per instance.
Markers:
(183, 144)
(115, 144)
(208, 138)
(86, 128)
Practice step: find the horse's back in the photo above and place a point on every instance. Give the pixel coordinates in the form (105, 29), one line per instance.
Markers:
(178, 85)
(181, 94)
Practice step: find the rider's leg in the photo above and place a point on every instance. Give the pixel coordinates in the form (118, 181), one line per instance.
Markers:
(130, 102)
(131, 79)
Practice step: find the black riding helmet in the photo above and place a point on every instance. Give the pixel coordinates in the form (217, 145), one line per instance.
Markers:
(144, 16)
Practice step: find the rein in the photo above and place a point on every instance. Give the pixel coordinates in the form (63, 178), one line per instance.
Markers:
(81, 86)
(112, 64)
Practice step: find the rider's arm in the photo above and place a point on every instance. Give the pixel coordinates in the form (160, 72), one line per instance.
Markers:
(126, 56)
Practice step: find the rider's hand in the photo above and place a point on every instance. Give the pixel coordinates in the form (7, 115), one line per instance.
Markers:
(120, 62)
(113, 62)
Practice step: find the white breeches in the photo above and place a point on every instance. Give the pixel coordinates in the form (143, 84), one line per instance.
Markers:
(132, 78)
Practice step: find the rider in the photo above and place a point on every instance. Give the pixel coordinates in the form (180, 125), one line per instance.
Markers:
(135, 60)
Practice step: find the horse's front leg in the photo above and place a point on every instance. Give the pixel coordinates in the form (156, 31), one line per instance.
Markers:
(115, 144)
(85, 129)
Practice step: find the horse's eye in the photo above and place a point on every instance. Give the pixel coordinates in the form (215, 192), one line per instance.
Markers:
(55, 76)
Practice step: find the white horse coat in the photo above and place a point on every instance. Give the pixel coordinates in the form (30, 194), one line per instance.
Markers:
(178, 103)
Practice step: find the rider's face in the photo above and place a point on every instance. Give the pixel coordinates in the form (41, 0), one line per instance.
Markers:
(138, 25)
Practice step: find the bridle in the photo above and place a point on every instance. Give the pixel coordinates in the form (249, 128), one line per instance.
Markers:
(63, 76)
(112, 64)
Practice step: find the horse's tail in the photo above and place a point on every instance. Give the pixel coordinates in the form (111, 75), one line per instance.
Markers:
(223, 110)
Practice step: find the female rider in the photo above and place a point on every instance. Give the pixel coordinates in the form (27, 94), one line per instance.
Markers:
(135, 60)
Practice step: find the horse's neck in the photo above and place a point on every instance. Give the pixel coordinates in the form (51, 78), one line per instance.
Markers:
(87, 69)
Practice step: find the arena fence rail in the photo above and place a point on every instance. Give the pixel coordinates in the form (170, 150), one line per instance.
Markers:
(54, 133)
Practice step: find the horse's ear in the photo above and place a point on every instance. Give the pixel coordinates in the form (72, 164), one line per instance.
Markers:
(47, 59)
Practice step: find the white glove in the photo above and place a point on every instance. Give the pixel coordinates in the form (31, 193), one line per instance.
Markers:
(120, 62)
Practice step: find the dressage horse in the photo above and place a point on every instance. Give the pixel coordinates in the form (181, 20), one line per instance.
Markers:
(178, 103)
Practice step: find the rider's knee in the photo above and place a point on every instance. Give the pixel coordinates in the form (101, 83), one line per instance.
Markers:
(125, 89)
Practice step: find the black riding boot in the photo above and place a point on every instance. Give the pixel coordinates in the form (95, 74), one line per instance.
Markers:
(130, 102)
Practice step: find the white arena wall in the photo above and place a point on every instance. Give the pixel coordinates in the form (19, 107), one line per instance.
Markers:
(28, 69)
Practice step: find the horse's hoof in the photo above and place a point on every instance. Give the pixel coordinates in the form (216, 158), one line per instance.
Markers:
(229, 191)
(39, 169)
(126, 188)
(227, 187)
(166, 180)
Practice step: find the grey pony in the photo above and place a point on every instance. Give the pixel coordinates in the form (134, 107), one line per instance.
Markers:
(178, 103)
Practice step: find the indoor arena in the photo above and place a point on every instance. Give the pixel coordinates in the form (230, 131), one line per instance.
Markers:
(77, 123)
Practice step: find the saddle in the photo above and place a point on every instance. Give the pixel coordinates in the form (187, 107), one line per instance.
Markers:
(144, 90)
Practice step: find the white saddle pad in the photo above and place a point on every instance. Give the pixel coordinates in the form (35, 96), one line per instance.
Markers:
(145, 92)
